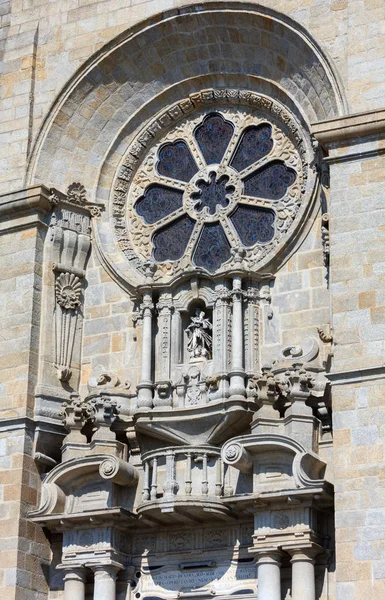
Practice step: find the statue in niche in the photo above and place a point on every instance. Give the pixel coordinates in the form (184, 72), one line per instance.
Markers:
(199, 336)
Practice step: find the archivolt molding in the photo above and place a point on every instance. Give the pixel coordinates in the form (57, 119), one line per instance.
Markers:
(103, 86)
(110, 70)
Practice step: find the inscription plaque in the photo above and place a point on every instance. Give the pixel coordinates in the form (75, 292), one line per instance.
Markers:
(223, 579)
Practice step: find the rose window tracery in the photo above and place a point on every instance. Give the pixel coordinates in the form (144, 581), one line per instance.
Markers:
(222, 177)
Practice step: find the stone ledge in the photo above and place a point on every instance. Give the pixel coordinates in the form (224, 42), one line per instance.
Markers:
(34, 198)
(356, 375)
(352, 126)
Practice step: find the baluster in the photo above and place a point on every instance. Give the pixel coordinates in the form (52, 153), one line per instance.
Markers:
(205, 483)
(170, 486)
(228, 489)
(146, 483)
(188, 479)
(218, 483)
(154, 480)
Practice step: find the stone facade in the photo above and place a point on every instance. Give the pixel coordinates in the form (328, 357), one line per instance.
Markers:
(181, 418)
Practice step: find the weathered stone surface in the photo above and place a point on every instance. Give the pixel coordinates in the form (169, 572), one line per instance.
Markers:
(226, 444)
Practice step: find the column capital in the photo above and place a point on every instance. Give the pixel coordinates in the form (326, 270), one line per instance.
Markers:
(268, 556)
(110, 569)
(72, 568)
(76, 572)
(304, 554)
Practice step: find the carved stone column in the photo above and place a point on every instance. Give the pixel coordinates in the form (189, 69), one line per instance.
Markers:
(163, 352)
(237, 373)
(104, 582)
(221, 341)
(269, 575)
(75, 583)
(303, 576)
(251, 329)
(146, 384)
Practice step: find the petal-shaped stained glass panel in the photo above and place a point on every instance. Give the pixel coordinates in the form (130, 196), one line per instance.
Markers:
(270, 182)
(176, 161)
(213, 137)
(158, 202)
(253, 225)
(255, 143)
(170, 241)
(213, 248)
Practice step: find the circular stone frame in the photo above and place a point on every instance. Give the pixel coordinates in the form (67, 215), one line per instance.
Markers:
(129, 228)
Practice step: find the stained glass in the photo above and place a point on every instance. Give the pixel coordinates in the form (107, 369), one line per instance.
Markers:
(175, 160)
(253, 224)
(270, 182)
(212, 193)
(213, 248)
(254, 144)
(170, 241)
(157, 202)
(213, 137)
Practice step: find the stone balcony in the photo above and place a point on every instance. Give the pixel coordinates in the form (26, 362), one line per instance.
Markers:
(183, 484)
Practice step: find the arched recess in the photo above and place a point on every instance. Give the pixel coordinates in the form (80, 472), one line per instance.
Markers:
(168, 57)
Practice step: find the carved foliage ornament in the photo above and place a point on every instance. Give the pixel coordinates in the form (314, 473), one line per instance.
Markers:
(220, 170)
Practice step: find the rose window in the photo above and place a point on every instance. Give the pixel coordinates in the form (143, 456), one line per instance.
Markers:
(219, 179)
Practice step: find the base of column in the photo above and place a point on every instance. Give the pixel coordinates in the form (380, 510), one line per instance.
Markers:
(237, 388)
(145, 393)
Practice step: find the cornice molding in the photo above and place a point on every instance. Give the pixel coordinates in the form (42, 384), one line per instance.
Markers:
(358, 125)
(35, 198)
(356, 375)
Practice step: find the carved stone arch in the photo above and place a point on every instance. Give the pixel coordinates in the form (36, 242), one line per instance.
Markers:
(106, 75)
(309, 89)
(184, 298)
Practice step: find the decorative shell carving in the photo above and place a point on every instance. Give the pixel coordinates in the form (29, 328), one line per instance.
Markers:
(68, 291)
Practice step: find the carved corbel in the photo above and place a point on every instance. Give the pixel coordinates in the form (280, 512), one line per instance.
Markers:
(71, 241)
